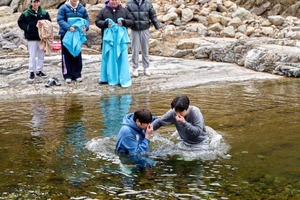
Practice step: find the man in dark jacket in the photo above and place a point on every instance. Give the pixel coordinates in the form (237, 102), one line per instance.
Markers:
(27, 22)
(143, 13)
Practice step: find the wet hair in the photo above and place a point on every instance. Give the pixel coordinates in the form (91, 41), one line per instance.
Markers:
(143, 115)
(180, 103)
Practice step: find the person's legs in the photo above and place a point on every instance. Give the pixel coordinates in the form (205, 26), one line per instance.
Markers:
(135, 46)
(77, 67)
(40, 58)
(145, 49)
(32, 60)
(66, 63)
(40, 61)
(32, 55)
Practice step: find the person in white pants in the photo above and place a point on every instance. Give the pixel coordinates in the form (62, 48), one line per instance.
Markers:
(36, 57)
(27, 22)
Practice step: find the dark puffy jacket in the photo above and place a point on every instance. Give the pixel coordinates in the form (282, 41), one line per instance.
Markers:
(28, 20)
(65, 12)
(142, 15)
(109, 12)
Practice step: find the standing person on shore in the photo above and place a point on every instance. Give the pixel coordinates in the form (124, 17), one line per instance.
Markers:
(143, 13)
(71, 65)
(28, 23)
(113, 20)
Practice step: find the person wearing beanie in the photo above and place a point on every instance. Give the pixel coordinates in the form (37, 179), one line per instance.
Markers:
(28, 23)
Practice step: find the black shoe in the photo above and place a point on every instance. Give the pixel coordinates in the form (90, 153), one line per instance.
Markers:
(56, 81)
(41, 74)
(31, 77)
(50, 82)
(102, 82)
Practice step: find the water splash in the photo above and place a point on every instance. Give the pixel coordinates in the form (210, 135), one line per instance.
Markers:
(104, 148)
(213, 148)
(162, 147)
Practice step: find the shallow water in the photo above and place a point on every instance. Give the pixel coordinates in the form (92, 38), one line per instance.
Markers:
(46, 151)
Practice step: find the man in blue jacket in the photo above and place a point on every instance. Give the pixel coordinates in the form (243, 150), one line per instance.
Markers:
(134, 135)
(71, 65)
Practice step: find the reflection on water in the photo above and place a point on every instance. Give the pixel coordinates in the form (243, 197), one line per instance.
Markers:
(63, 148)
(113, 109)
(71, 152)
(39, 116)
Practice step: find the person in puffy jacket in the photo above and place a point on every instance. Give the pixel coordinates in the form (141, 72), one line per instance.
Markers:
(143, 14)
(71, 65)
(28, 23)
(134, 135)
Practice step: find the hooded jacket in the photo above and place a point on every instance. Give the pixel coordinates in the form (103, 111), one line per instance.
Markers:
(28, 21)
(143, 14)
(66, 11)
(131, 138)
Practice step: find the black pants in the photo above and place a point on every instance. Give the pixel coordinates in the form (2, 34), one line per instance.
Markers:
(71, 66)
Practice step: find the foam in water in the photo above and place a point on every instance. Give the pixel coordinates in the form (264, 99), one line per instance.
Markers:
(163, 147)
(214, 147)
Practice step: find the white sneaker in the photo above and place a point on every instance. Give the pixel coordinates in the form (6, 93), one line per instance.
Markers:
(79, 79)
(135, 73)
(147, 72)
(68, 80)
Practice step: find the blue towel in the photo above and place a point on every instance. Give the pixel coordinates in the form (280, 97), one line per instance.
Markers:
(115, 63)
(74, 40)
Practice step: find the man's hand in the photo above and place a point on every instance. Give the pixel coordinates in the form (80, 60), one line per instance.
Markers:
(149, 131)
(180, 119)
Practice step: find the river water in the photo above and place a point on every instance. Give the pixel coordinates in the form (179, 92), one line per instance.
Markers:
(63, 148)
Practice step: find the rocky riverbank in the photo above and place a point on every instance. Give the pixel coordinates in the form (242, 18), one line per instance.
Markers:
(167, 74)
(203, 41)
(218, 30)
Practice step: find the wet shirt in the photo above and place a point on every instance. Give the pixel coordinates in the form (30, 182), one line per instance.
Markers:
(193, 131)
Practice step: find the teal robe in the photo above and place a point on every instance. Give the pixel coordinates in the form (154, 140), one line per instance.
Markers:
(115, 62)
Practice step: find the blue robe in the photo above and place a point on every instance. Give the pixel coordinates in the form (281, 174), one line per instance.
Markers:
(115, 62)
(74, 40)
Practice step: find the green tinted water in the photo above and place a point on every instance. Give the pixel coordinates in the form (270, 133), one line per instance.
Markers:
(43, 152)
